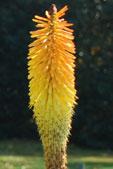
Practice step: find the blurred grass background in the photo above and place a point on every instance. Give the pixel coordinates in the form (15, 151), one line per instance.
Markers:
(29, 155)
(92, 125)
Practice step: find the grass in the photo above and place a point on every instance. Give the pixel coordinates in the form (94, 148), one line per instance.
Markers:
(29, 155)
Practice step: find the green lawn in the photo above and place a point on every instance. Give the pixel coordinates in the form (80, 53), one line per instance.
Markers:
(29, 155)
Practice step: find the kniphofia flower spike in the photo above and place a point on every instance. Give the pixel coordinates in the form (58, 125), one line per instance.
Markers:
(51, 83)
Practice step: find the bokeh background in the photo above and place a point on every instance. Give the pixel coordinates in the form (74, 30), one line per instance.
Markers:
(92, 124)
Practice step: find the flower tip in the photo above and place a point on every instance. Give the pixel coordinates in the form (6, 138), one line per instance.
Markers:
(53, 9)
(30, 106)
(47, 14)
(30, 32)
(66, 7)
(62, 12)
(34, 20)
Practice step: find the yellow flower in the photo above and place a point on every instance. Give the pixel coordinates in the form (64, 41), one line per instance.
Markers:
(51, 83)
